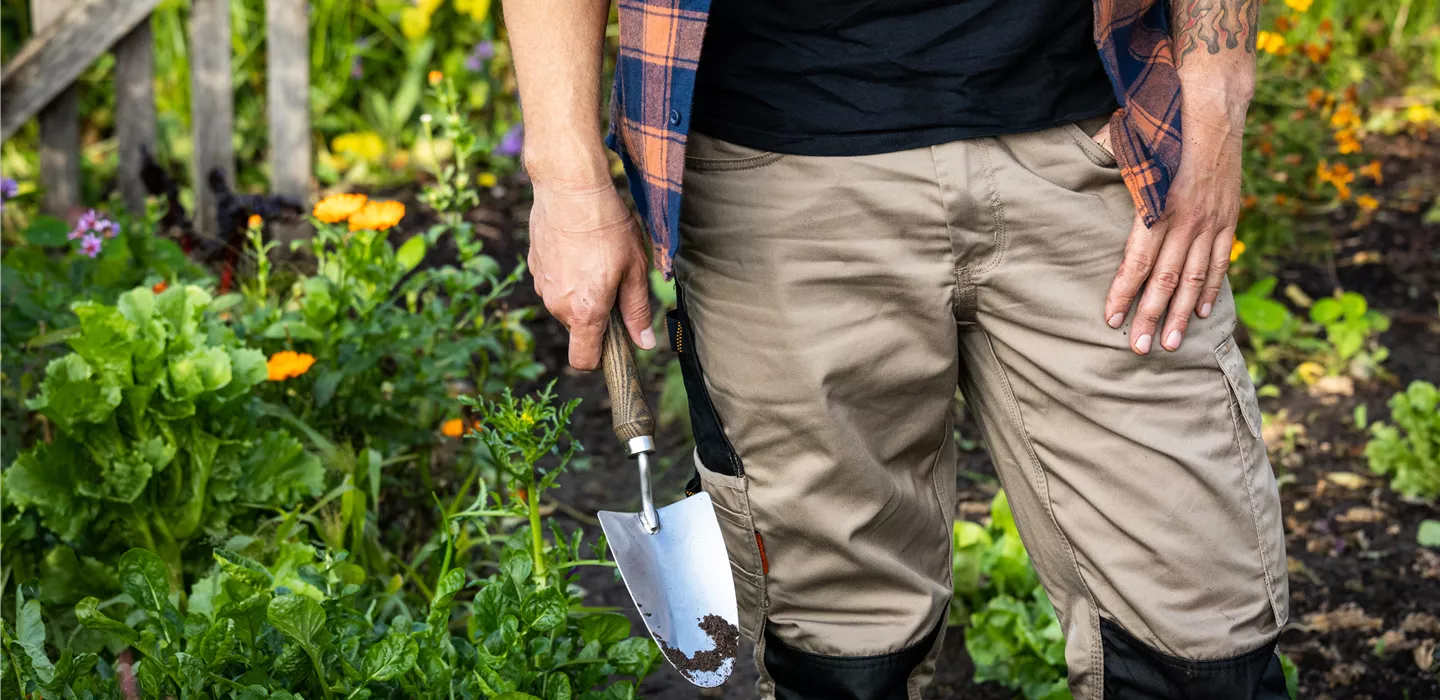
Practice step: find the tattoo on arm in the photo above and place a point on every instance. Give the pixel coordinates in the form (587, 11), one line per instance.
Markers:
(1214, 25)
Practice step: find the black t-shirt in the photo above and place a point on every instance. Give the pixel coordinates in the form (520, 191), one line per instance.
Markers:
(853, 77)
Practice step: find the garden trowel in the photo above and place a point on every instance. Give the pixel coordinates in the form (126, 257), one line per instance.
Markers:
(673, 558)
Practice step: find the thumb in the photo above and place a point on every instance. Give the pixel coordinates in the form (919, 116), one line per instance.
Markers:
(634, 304)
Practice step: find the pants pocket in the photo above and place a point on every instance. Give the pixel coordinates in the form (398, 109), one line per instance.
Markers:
(1083, 132)
(1260, 484)
(711, 444)
(742, 541)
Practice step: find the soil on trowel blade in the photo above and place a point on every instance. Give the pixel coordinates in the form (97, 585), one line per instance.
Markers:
(724, 635)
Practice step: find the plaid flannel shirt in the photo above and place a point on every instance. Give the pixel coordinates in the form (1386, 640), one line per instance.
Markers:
(655, 81)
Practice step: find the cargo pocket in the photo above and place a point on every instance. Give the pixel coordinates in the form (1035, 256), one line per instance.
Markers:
(710, 441)
(742, 542)
(1262, 491)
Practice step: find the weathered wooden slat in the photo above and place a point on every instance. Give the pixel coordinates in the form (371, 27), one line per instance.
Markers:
(75, 35)
(288, 90)
(134, 110)
(59, 127)
(212, 105)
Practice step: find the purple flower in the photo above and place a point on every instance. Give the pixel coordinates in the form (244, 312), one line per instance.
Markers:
(90, 245)
(484, 50)
(111, 228)
(511, 142)
(357, 68)
(474, 63)
(8, 188)
(85, 224)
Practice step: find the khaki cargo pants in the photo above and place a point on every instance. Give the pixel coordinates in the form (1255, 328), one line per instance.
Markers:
(831, 307)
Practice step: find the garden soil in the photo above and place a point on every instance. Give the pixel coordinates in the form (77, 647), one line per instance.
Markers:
(1365, 597)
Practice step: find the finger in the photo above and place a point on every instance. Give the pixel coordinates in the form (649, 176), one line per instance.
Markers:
(1140, 250)
(1192, 283)
(587, 334)
(1159, 289)
(1219, 266)
(635, 305)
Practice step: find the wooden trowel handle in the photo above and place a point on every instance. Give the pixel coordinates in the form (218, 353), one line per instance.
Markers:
(629, 410)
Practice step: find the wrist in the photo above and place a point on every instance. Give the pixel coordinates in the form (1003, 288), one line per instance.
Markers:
(1222, 97)
(567, 163)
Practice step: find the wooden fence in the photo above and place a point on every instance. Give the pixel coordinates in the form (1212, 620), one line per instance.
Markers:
(70, 34)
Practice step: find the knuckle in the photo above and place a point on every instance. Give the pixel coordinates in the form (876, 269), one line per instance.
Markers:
(1196, 278)
(1165, 281)
(1220, 267)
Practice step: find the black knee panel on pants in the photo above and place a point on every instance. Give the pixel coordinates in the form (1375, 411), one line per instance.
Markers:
(800, 675)
(1134, 671)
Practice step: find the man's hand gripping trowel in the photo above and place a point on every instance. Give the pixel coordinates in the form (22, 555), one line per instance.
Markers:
(672, 559)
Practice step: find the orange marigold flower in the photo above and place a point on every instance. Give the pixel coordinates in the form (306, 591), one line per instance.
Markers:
(1372, 171)
(255, 221)
(288, 364)
(1249, 201)
(1281, 200)
(339, 207)
(1367, 203)
(1315, 97)
(1267, 148)
(1326, 26)
(435, 77)
(1236, 249)
(455, 427)
(1345, 139)
(160, 286)
(377, 216)
(1319, 53)
(1282, 23)
(1345, 116)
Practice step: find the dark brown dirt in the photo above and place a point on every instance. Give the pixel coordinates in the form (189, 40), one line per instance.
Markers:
(726, 638)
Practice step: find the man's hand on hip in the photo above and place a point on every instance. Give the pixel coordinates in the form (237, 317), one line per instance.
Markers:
(585, 249)
(1176, 267)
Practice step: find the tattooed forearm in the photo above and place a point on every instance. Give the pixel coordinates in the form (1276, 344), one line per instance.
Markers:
(1213, 25)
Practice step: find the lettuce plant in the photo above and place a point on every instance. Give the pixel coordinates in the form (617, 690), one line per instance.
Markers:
(155, 439)
(1409, 450)
(1013, 635)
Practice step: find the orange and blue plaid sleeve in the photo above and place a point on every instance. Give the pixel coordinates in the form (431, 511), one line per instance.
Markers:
(654, 83)
(1133, 37)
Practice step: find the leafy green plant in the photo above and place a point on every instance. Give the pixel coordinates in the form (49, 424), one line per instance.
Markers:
(1352, 329)
(155, 442)
(1012, 632)
(1283, 342)
(313, 624)
(1409, 451)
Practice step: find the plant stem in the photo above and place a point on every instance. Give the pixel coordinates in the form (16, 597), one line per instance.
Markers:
(537, 542)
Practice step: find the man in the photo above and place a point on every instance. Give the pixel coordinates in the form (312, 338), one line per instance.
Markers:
(883, 200)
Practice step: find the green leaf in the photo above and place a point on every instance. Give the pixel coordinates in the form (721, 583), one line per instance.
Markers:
(605, 628)
(297, 617)
(1292, 676)
(411, 252)
(48, 231)
(137, 306)
(199, 371)
(225, 302)
(391, 658)
(325, 387)
(247, 369)
(30, 633)
(72, 393)
(1262, 315)
(1429, 533)
(88, 613)
(516, 695)
(1354, 305)
(278, 470)
(105, 340)
(292, 330)
(1326, 311)
(146, 579)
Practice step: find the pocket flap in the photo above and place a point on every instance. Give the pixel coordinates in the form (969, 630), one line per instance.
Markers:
(1242, 390)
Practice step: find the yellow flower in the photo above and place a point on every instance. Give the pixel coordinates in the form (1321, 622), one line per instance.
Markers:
(1315, 97)
(414, 23)
(1269, 42)
(526, 418)
(1345, 116)
(1372, 171)
(1367, 203)
(1298, 5)
(477, 9)
(288, 364)
(435, 77)
(377, 216)
(339, 207)
(455, 427)
(1421, 114)
(1236, 249)
(255, 221)
(1345, 139)
(1310, 372)
(487, 180)
(366, 146)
